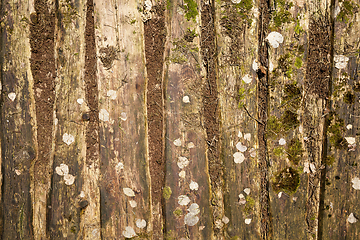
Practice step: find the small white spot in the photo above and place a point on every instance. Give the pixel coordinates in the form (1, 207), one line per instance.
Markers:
(182, 162)
(12, 96)
(119, 167)
(350, 140)
(183, 200)
(349, 126)
(129, 232)
(111, 94)
(225, 220)
(191, 145)
(182, 174)
(275, 38)
(255, 65)
(240, 135)
(282, 141)
(123, 116)
(248, 221)
(201, 228)
(140, 223)
(247, 191)
(62, 170)
(337, 11)
(194, 209)
(69, 179)
(129, 192)
(177, 142)
(352, 218)
(312, 167)
(194, 186)
(256, 12)
(242, 199)
(247, 78)
(340, 61)
(239, 157)
(191, 219)
(306, 139)
(271, 66)
(186, 99)
(306, 167)
(133, 203)
(148, 5)
(294, 199)
(18, 172)
(56, 121)
(301, 129)
(68, 138)
(247, 136)
(241, 147)
(219, 224)
(104, 115)
(279, 194)
(252, 152)
(82, 194)
(235, 1)
(356, 183)
(80, 101)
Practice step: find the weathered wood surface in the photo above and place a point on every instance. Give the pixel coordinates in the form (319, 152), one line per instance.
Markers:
(179, 119)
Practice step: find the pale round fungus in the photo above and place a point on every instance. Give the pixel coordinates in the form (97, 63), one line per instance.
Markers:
(247, 191)
(312, 167)
(129, 232)
(194, 208)
(17, 172)
(186, 99)
(182, 162)
(182, 174)
(123, 116)
(340, 61)
(271, 66)
(68, 138)
(183, 200)
(80, 101)
(247, 136)
(148, 5)
(104, 115)
(133, 203)
(82, 194)
(240, 135)
(247, 78)
(239, 157)
(248, 221)
(191, 145)
(255, 65)
(350, 140)
(62, 170)
(282, 141)
(69, 179)
(356, 183)
(252, 152)
(191, 219)
(177, 142)
(242, 199)
(12, 96)
(241, 147)
(279, 194)
(111, 94)
(194, 186)
(349, 127)
(225, 220)
(352, 218)
(140, 223)
(275, 38)
(129, 192)
(235, 1)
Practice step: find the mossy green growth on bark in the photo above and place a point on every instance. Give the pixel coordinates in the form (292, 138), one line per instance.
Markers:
(336, 129)
(287, 180)
(347, 10)
(167, 192)
(190, 8)
(281, 14)
(294, 151)
(349, 97)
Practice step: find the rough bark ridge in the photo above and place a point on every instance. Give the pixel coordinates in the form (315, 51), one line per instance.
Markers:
(155, 36)
(263, 94)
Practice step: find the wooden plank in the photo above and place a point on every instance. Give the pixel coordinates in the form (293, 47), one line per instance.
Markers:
(187, 179)
(17, 110)
(122, 113)
(237, 41)
(341, 200)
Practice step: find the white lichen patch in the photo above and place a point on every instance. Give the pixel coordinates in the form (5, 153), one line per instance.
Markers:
(194, 186)
(247, 136)
(350, 140)
(312, 167)
(279, 194)
(247, 191)
(182, 174)
(225, 220)
(123, 116)
(248, 221)
(240, 135)
(252, 152)
(186, 99)
(104, 115)
(238, 157)
(133, 203)
(12, 96)
(349, 127)
(352, 218)
(241, 147)
(235, 1)
(140, 223)
(82, 194)
(69, 179)
(247, 79)
(182, 162)
(148, 5)
(356, 183)
(191, 145)
(191, 219)
(129, 192)
(183, 200)
(282, 141)
(80, 101)
(177, 142)
(194, 209)
(129, 232)
(275, 38)
(62, 170)
(340, 61)
(306, 167)
(68, 138)
(242, 199)
(111, 94)
(119, 167)
(17, 172)
(219, 224)
(271, 66)
(255, 65)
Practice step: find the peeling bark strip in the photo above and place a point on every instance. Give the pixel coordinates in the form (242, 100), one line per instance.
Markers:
(263, 95)
(155, 36)
(210, 110)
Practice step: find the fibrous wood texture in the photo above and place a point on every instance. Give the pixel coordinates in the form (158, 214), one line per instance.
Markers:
(179, 119)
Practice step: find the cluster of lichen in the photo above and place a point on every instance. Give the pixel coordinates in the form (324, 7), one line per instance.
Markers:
(249, 206)
(284, 66)
(167, 192)
(347, 10)
(244, 10)
(336, 129)
(281, 14)
(288, 121)
(178, 212)
(294, 151)
(190, 8)
(292, 95)
(286, 180)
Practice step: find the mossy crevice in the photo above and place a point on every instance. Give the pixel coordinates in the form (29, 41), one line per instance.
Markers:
(281, 14)
(335, 130)
(286, 180)
(295, 151)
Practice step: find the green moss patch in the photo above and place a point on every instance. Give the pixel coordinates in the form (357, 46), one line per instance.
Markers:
(190, 8)
(281, 14)
(294, 151)
(287, 180)
(349, 97)
(289, 120)
(167, 192)
(336, 129)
